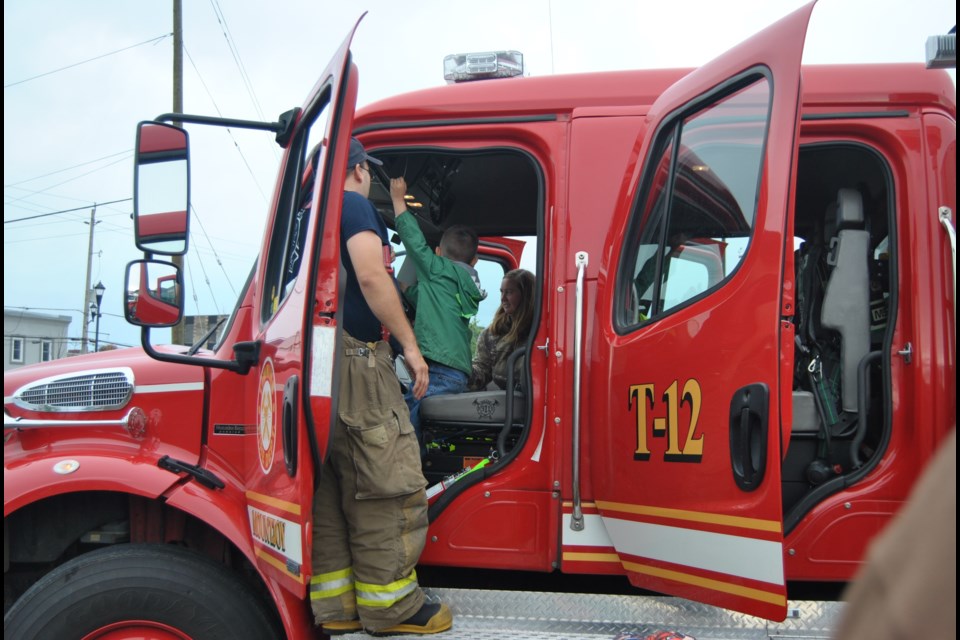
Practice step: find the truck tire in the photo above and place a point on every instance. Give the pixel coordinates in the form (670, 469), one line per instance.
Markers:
(136, 591)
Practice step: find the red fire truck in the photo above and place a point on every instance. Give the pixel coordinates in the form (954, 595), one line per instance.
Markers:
(743, 350)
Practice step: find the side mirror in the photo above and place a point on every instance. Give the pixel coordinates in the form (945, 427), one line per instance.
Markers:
(154, 293)
(161, 189)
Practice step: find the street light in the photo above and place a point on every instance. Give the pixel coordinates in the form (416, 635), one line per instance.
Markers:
(98, 290)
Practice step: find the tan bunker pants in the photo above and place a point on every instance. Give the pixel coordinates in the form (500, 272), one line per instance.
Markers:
(370, 510)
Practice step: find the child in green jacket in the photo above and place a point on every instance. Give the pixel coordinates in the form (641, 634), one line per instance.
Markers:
(446, 295)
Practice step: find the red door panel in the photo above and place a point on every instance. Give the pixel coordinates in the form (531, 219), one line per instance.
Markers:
(684, 451)
(293, 382)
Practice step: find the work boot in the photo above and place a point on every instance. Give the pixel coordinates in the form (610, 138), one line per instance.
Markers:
(340, 627)
(431, 618)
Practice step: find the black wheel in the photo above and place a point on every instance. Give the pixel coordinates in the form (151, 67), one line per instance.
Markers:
(124, 592)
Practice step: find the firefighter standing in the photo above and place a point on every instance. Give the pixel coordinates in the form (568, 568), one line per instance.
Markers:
(370, 510)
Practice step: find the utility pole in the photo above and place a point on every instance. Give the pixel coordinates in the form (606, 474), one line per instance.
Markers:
(84, 338)
(176, 333)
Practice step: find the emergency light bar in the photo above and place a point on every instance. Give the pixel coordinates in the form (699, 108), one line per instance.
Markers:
(464, 67)
(942, 51)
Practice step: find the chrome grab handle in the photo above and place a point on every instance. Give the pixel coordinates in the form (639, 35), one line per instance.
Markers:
(581, 259)
(945, 215)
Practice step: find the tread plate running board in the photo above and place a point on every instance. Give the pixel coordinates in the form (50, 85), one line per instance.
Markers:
(497, 615)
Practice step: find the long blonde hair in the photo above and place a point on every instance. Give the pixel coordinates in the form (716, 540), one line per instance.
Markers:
(513, 330)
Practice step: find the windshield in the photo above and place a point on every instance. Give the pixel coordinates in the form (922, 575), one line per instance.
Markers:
(214, 335)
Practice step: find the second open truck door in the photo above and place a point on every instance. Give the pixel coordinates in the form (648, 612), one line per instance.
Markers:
(692, 324)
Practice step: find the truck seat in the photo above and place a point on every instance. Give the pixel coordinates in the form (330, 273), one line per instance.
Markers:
(477, 407)
(846, 299)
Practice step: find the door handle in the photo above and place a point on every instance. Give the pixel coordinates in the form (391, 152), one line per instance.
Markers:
(749, 428)
(289, 425)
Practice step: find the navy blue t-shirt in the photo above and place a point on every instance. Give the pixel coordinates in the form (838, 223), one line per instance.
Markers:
(359, 214)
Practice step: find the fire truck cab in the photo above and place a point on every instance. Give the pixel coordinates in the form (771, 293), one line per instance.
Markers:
(742, 355)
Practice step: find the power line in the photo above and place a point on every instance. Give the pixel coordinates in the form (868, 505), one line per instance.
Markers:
(53, 213)
(30, 207)
(215, 254)
(64, 339)
(228, 129)
(82, 164)
(5, 308)
(117, 230)
(222, 19)
(24, 203)
(206, 280)
(126, 215)
(77, 64)
(33, 193)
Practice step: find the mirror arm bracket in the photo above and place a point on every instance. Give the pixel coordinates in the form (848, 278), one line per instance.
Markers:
(247, 354)
(283, 128)
(286, 121)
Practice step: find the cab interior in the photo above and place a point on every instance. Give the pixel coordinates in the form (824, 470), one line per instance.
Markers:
(844, 266)
(499, 193)
(843, 258)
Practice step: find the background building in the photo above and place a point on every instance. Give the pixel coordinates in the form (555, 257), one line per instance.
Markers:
(30, 337)
(194, 328)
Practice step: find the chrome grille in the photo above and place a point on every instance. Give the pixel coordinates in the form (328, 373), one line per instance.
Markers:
(83, 391)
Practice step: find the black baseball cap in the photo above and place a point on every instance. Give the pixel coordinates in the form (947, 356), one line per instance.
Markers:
(358, 155)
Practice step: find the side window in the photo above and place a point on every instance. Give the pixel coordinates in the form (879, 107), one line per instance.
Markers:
(491, 274)
(289, 235)
(167, 288)
(16, 350)
(694, 219)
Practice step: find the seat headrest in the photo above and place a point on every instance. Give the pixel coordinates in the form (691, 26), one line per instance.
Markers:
(849, 209)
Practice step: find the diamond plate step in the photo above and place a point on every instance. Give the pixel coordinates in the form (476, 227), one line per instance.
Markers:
(498, 615)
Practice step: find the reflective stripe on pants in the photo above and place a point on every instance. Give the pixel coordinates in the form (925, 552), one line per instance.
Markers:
(329, 585)
(386, 595)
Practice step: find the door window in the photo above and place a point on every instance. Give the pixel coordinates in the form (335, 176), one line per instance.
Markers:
(694, 219)
(289, 235)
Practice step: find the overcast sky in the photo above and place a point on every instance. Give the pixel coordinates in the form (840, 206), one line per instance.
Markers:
(78, 76)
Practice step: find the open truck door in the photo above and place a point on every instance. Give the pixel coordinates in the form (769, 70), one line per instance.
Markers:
(683, 456)
(297, 319)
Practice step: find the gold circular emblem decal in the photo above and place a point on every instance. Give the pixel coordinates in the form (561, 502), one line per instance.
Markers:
(266, 419)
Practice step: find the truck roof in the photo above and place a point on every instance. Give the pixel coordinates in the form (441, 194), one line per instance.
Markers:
(868, 86)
